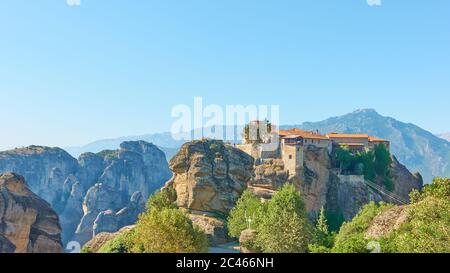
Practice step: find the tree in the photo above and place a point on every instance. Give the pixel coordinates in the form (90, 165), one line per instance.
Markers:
(247, 213)
(123, 243)
(163, 199)
(382, 160)
(285, 227)
(324, 240)
(323, 235)
(168, 231)
(368, 159)
(344, 158)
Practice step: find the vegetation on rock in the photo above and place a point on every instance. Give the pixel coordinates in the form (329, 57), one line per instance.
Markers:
(374, 165)
(424, 227)
(281, 224)
(162, 229)
(247, 214)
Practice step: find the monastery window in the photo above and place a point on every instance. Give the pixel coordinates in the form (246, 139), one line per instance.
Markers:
(290, 156)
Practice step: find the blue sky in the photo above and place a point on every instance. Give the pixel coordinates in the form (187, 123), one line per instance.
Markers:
(107, 68)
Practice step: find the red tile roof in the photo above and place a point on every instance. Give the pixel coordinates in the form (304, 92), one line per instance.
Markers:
(300, 133)
(334, 135)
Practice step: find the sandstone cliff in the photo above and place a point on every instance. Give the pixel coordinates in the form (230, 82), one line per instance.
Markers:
(27, 223)
(321, 186)
(131, 174)
(404, 180)
(111, 184)
(45, 169)
(209, 178)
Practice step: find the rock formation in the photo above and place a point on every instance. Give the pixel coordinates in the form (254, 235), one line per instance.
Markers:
(45, 169)
(209, 178)
(115, 182)
(99, 240)
(321, 186)
(387, 221)
(27, 223)
(131, 175)
(346, 195)
(247, 241)
(405, 181)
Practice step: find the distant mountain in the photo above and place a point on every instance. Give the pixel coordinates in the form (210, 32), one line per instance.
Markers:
(415, 147)
(445, 136)
(164, 141)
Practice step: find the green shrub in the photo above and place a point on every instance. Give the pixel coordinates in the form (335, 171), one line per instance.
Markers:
(86, 250)
(427, 229)
(285, 227)
(123, 243)
(383, 160)
(350, 238)
(163, 199)
(247, 207)
(168, 231)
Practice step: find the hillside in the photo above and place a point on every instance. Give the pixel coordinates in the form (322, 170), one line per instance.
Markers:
(415, 147)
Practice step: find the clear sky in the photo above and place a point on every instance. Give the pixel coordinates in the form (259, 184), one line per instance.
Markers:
(107, 68)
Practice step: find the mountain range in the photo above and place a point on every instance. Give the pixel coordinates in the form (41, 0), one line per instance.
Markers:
(415, 147)
(445, 136)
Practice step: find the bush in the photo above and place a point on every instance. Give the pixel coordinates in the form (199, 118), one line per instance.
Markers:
(163, 228)
(163, 199)
(425, 230)
(383, 160)
(440, 188)
(248, 206)
(323, 236)
(285, 227)
(428, 227)
(123, 243)
(350, 238)
(168, 231)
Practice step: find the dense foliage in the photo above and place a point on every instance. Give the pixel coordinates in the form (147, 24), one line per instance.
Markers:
(164, 199)
(351, 237)
(247, 214)
(123, 243)
(285, 227)
(323, 238)
(168, 231)
(428, 227)
(162, 229)
(372, 164)
(425, 229)
(281, 224)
